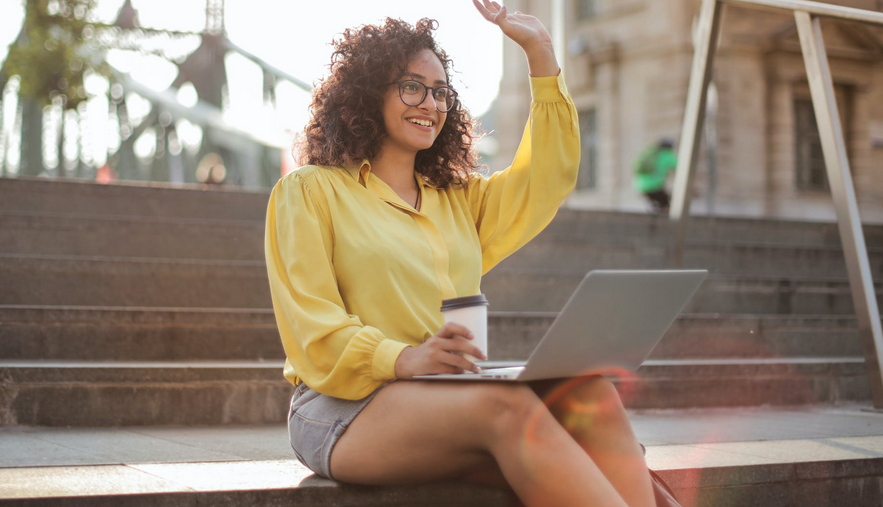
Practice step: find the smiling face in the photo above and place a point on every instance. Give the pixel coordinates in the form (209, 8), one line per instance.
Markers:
(414, 128)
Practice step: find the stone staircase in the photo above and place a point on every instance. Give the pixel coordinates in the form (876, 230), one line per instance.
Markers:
(132, 305)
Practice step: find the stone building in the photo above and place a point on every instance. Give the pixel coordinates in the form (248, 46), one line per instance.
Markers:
(627, 66)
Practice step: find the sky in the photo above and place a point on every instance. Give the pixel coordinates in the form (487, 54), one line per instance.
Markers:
(295, 36)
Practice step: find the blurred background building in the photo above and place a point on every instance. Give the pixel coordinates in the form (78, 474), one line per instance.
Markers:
(627, 67)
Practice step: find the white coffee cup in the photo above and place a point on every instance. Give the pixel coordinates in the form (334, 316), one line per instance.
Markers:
(471, 312)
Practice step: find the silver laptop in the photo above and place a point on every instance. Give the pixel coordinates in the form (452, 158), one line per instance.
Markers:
(613, 320)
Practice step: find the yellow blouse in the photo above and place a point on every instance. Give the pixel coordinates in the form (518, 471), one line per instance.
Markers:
(357, 274)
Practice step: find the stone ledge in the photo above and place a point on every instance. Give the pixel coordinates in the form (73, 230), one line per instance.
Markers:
(718, 457)
(752, 472)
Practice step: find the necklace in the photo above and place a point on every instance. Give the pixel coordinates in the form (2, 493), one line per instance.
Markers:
(417, 203)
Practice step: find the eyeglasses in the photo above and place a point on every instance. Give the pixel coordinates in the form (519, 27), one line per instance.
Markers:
(413, 93)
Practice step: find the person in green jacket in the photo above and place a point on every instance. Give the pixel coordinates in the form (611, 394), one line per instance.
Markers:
(651, 173)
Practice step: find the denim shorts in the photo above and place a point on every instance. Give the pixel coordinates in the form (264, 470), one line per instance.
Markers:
(316, 422)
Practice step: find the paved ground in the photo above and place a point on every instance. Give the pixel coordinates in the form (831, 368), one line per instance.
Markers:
(55, 461)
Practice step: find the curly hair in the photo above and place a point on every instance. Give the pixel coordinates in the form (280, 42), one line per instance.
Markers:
(346, 120)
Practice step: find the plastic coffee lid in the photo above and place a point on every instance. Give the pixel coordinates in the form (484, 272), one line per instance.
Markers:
(464, 302)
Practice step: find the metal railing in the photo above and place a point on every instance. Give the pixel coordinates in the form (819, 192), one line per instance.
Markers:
(806, 15)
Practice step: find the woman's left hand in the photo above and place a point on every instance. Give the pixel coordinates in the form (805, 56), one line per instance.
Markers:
(526, 31)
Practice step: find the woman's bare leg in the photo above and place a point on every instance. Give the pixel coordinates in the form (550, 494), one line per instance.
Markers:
(591, 411)
(428, 431)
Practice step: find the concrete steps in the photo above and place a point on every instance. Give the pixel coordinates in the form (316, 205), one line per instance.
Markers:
(120, 366)
(510, 289)
(77, 333)
(24, 195)
(747, 259)
(697, 383)
(112, 281)
(188, 286)
(180, 238)
(73, 393)
(184, 236)
(114, 236)
(131, 308)
(157, 200)
(118, 393)
(166, 334)
(513, 335)
(611, 226)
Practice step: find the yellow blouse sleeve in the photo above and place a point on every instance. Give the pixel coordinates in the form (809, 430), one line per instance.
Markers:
(329, 349)
(512, 206)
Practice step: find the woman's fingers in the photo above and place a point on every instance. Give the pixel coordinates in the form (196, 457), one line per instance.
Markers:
(457, 339)
(443, 353)
(491, 11)
(501, 18)
(451, 352)
(518, 27)
(521, 28)
(484, 10)
(450, 359)
(453, 330)
(460, 346)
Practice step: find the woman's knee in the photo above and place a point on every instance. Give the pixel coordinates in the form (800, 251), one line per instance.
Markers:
(508, 410)
(587, 402)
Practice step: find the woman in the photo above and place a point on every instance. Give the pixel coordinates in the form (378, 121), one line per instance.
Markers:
(387, 221)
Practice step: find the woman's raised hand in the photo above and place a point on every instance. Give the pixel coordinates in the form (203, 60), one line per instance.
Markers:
(526, 31)
(443, 353)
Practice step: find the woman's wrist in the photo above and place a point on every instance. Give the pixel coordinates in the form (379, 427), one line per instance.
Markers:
(401, 366)
(541, 60)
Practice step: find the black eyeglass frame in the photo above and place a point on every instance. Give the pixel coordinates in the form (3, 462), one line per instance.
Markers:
(426, 90)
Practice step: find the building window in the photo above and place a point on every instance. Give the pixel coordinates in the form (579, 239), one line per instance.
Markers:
(810, 161)
(588, 163)
(586, 9)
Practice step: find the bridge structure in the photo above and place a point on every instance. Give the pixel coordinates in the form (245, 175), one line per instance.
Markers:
(225, 153)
